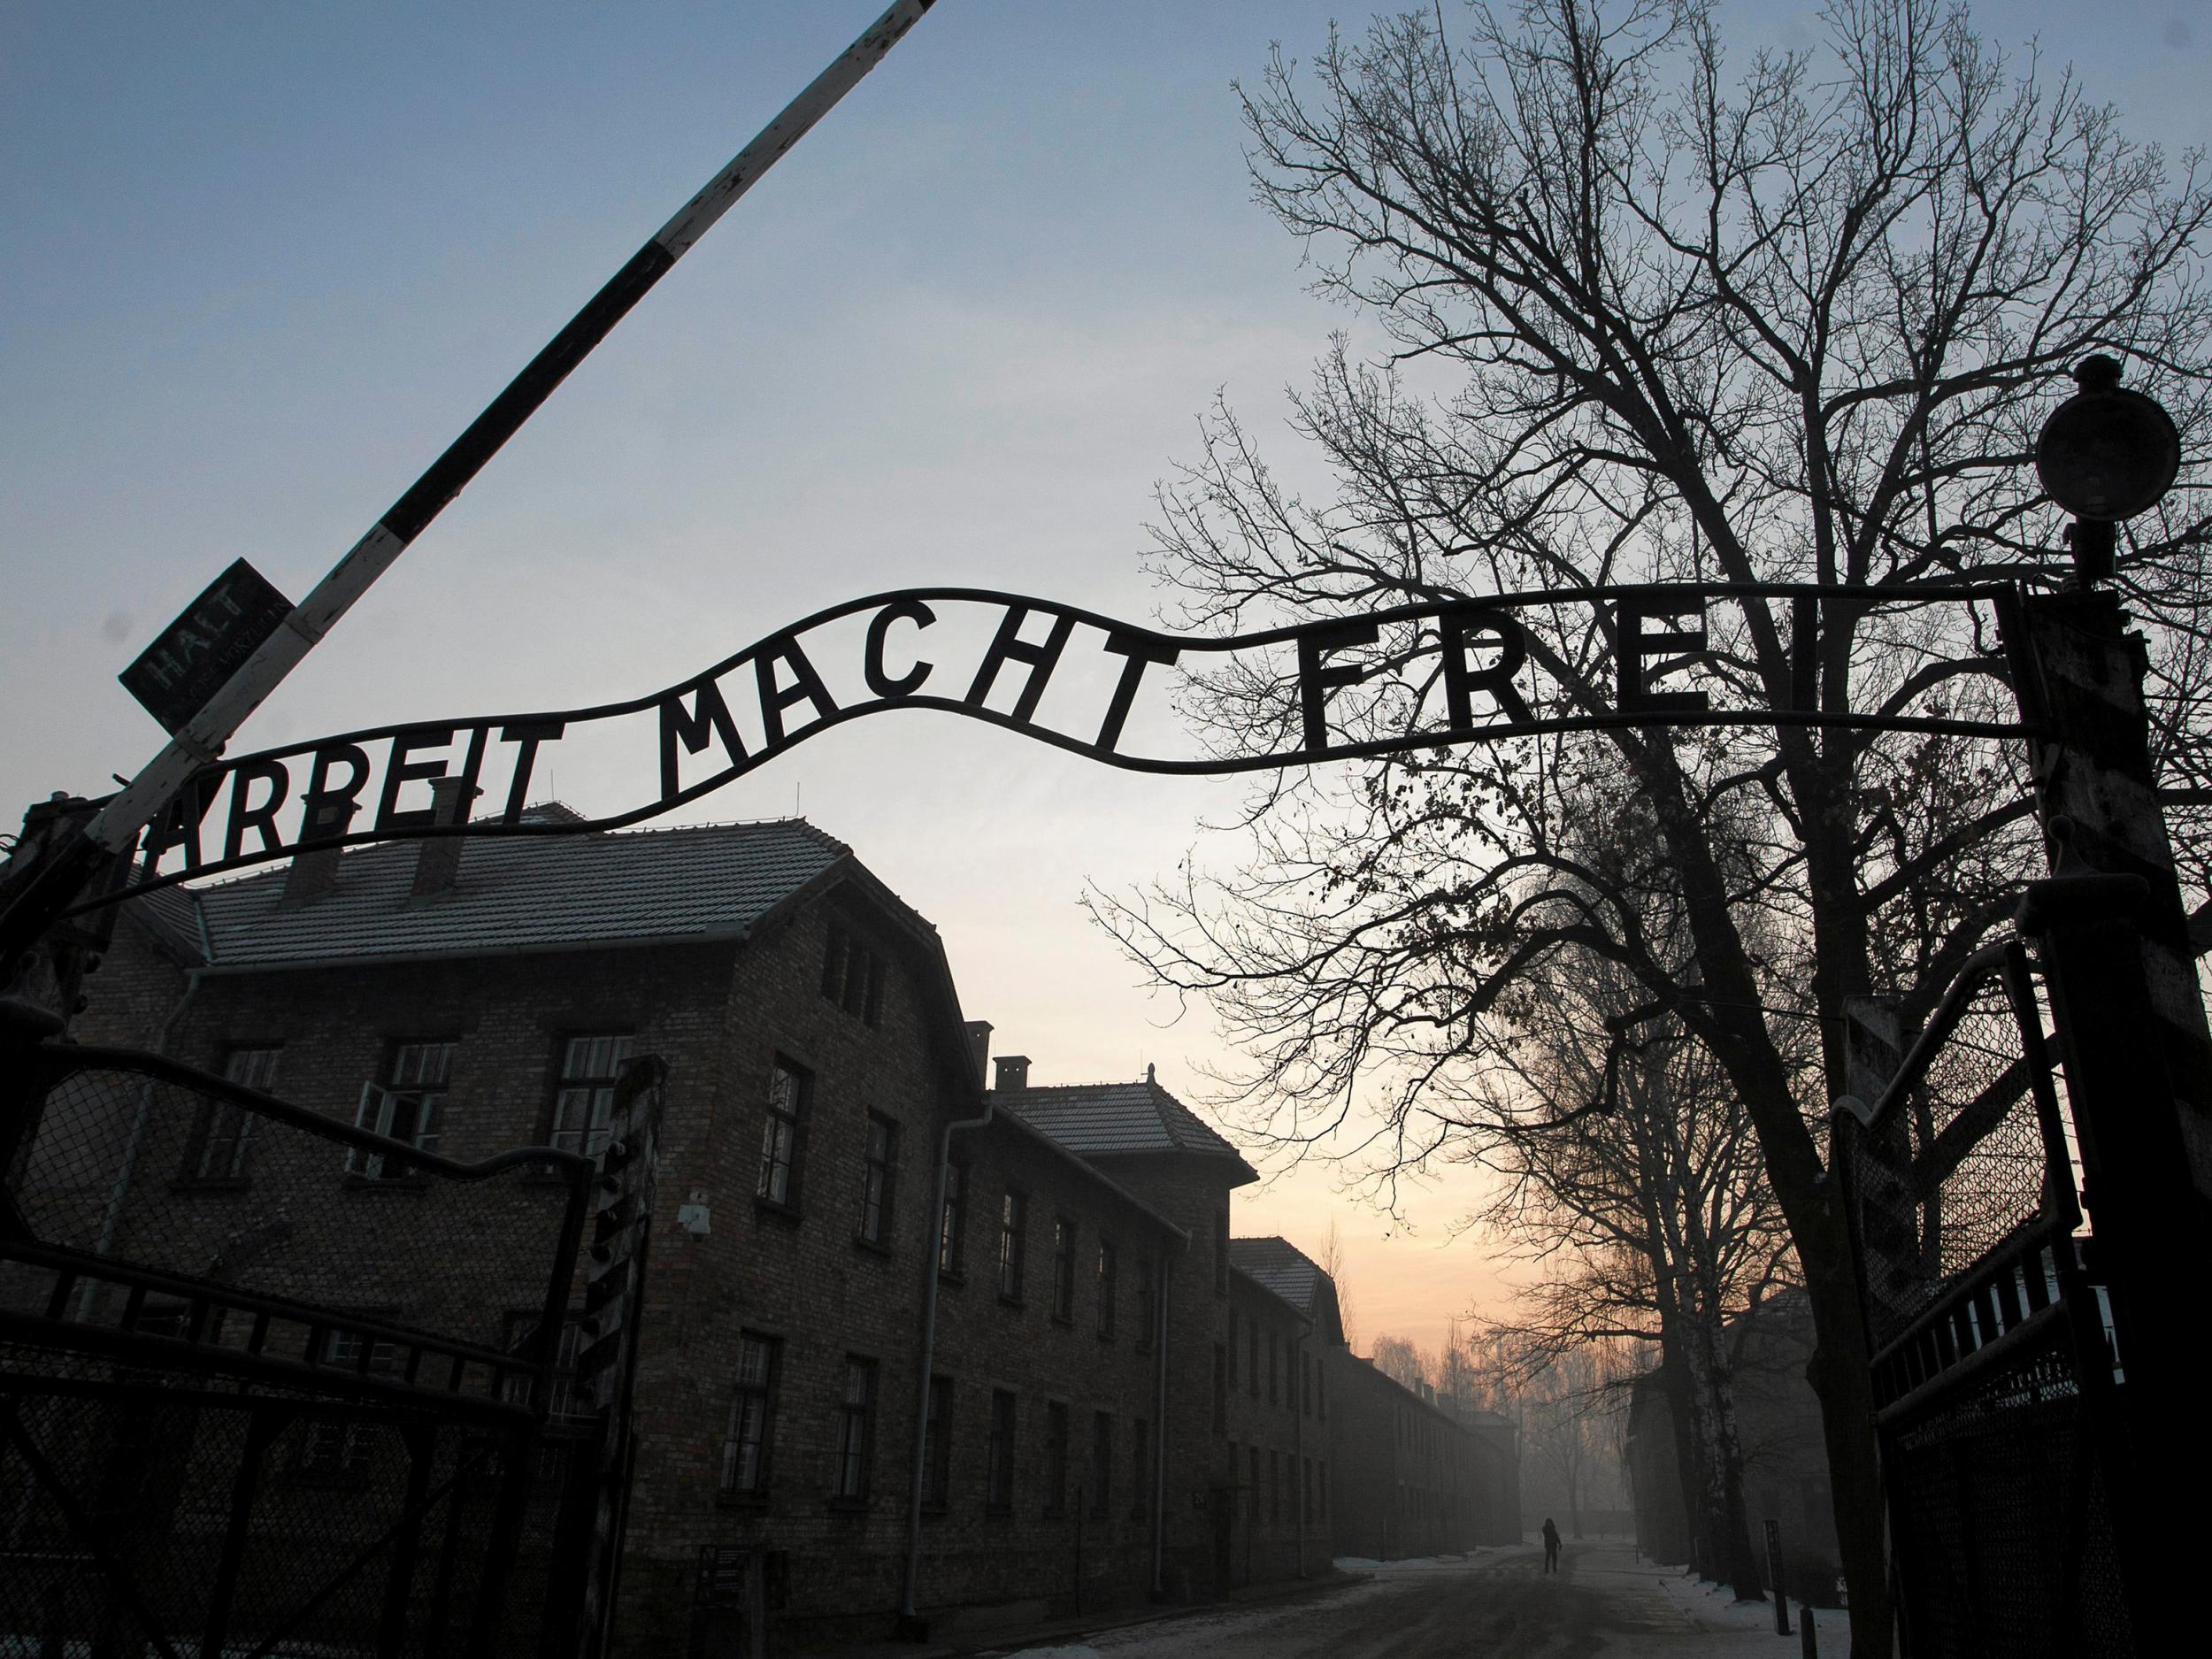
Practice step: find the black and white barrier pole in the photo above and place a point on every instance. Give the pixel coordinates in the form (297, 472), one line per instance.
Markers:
(199, 740)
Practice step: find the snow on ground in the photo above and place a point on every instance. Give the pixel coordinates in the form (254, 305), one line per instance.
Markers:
(1495, 1599)
(1419, 1564)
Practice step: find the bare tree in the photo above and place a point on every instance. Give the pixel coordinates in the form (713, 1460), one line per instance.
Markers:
(1653, 318)
(1333, 1262)
(1397, 1357)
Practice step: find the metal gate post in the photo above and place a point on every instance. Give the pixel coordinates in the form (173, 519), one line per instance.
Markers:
(261, 1428)
(2132, 1034)
(421, 1441)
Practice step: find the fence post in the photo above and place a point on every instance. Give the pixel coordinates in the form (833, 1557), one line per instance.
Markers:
(1779, 1585)
(2121, 979)
(614, 1304)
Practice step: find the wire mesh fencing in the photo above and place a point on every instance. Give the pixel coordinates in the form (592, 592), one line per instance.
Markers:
(1993, 1379)
(275, 1383)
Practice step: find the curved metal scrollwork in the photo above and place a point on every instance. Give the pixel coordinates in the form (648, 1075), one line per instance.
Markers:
(1448, 672)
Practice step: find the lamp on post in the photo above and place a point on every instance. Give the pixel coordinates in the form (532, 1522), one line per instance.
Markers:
(2105, 455)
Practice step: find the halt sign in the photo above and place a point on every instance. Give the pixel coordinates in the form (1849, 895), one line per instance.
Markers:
(195, 656)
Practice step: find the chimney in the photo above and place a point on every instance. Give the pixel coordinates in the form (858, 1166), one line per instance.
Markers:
(315, 872)
(980, 1048)
(438, 865)
(1013, 1073)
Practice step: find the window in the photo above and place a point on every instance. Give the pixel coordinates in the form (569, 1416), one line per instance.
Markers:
(1106, 1291)
(783, 1135)
(1232, 1348)
(585, 1098)
(1252, 1356)
(1252, 1502)
(1321, 1390)
(1221, 1253)
(1055, 1457)
(878, 1179)
(1102, 1462)
(952, 1226)
(1322, 1468)
(410, 1106)
(1148, 1305)
(1221, 1390)
(1013, 1225)
(936, 1444)
(216, 1151)
(1064, 1270)
(1273, 1369)
(852, 975)
(998, 1490)
(1140, 1467)
(1274, 1485)
(1305, 1379)
(752, 1416)
(998, 1456)
(567, 1405)
(337, 1448)
(1305, 1487)
(855, 1429)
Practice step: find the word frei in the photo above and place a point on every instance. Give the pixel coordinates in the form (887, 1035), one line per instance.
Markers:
(1010, 661)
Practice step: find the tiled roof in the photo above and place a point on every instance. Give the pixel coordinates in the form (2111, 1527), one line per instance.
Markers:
(1101, 1119)
(1280, 1266)
(525, 893)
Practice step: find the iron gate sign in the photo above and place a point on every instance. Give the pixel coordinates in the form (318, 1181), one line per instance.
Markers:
(1447, 672)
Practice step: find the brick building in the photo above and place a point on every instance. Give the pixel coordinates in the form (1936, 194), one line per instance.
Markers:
(1416, 1478)
(1247, 1426)
(915, 1345)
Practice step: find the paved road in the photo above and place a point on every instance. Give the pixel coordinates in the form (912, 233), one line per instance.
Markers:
(1603, 1605)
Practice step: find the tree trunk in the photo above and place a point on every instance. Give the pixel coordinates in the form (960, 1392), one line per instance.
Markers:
(1840, 1375)
(1720, 1462)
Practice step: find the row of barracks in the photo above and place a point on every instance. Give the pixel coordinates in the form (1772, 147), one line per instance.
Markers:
(926, 1342)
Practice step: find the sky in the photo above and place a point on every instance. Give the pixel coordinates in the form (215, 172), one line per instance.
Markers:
(259, 264)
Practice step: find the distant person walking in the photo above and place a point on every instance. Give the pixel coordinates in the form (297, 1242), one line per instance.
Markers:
(1551, 1546)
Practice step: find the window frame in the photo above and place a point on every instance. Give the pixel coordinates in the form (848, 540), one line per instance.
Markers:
(732, 1488)
(878, 1180)
(792, 1122)
(952, 1223)
(999, 1483)
(1013, 1246)
(1102, 1499)
(852, 1470)
(1108, 1290)
(853, 973)
(221, 1123)
(1066, 1235)
(1056, 1469)
(591, 1133)
(349, 1466)
(1140, 1466)
(425, 1102)
(561, 1401)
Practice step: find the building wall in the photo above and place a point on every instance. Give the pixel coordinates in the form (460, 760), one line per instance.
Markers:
(1412, 1480)
(1275, 1402)
(720, 1015)
(1026, 1552)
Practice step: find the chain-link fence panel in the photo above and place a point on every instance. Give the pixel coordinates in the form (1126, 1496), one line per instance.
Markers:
(140, 1506)
(1992, 1381)
(197, 1179)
